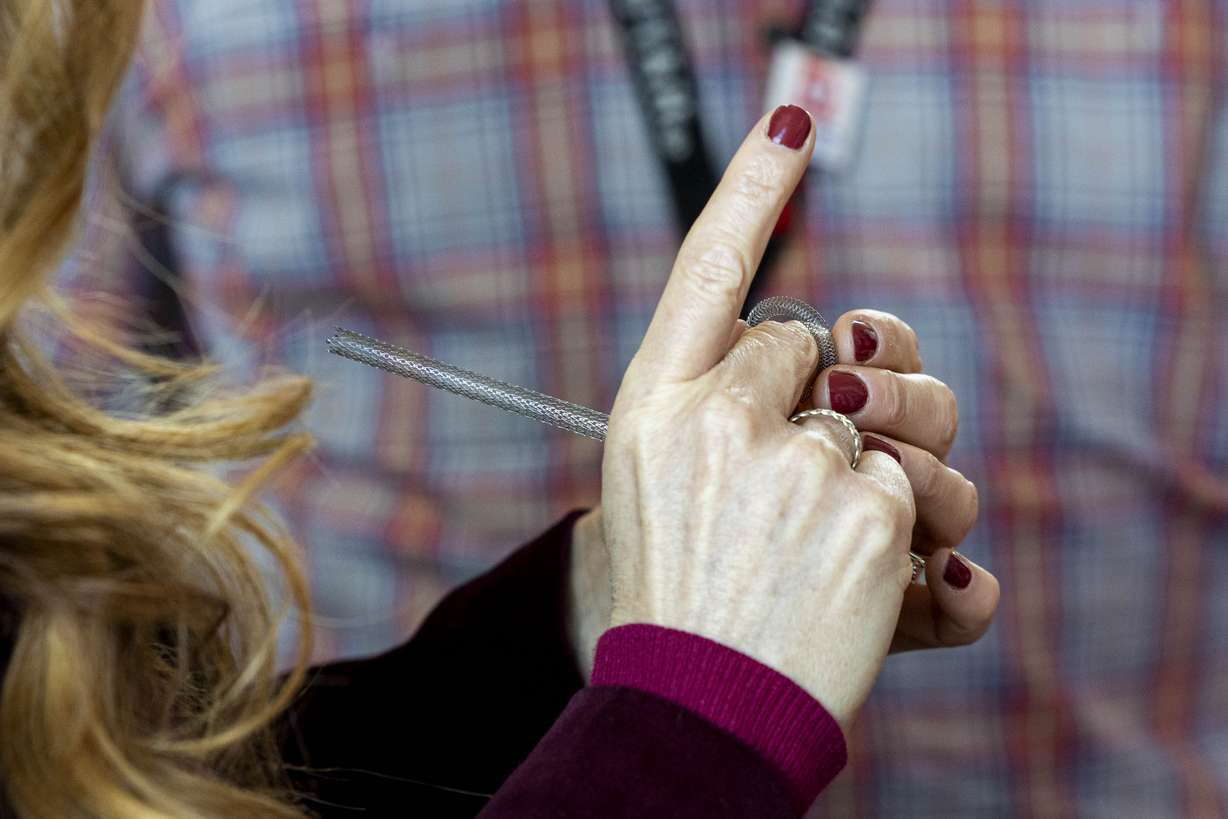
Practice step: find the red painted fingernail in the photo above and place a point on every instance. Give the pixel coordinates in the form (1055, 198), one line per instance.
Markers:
(865, 341)
(789, 126)
(957, 573)
(879, 445)
(846, 391)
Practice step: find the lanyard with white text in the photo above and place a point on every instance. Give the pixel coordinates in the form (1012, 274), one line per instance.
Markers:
(669, 98)
(668, 93)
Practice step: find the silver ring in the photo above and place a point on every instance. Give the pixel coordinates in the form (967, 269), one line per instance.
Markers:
(848, 425)
(918, 565)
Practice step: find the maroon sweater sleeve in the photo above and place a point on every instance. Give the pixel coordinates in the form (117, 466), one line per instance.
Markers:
(674, 725)
(677, 725)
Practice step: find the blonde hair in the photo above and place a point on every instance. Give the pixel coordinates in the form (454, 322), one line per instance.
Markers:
(143, 676)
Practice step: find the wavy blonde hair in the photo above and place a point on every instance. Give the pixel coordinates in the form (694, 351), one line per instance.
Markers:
(143, 676)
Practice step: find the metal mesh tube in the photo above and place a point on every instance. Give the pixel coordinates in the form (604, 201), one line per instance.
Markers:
(520, 400)
(530, 403)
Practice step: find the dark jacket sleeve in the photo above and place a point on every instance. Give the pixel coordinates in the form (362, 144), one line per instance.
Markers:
(435, 726)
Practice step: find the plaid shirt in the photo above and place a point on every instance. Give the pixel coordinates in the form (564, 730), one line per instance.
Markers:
(1041, 191)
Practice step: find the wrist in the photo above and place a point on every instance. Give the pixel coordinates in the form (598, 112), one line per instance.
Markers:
(588, 590)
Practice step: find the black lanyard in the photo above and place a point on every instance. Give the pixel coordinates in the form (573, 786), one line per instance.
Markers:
(669, 98)
(664, 81)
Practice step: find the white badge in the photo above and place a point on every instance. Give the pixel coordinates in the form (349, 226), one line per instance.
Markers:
(831, 89)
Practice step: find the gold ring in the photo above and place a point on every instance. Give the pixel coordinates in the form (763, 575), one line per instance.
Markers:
(843, 419)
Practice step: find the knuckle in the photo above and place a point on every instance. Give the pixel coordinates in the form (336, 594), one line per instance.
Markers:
(947, 414)
(726, 417)
(800, 343)
(790, 338)
(719, 270)
(812, 447)
(928, 481)
(880, 522)
(895, 401)
(759, 182)
(896, 509)
(970, 506)
(887, 502)
(880, 500)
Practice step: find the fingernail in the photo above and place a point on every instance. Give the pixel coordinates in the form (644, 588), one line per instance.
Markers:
(957, 573)
(846, 391)
(789, 126)
(879, 445)
(865, 341)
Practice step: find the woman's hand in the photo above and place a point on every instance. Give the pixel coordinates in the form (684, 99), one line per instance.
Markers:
(959, 600)
(721, 517)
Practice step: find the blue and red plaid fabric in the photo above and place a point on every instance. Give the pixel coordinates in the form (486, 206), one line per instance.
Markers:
(1041, 191)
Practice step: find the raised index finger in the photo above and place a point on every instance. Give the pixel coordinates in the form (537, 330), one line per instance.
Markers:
(690, 329)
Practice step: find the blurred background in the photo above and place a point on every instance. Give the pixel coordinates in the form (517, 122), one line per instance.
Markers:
(1039, 188)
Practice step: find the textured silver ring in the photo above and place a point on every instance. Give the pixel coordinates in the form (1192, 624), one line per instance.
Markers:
(918, 565)
(843, 419)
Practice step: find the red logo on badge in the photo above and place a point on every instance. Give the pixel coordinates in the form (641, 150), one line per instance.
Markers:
(819, 90)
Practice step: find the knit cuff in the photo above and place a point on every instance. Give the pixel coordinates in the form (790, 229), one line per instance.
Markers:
(757, 704)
